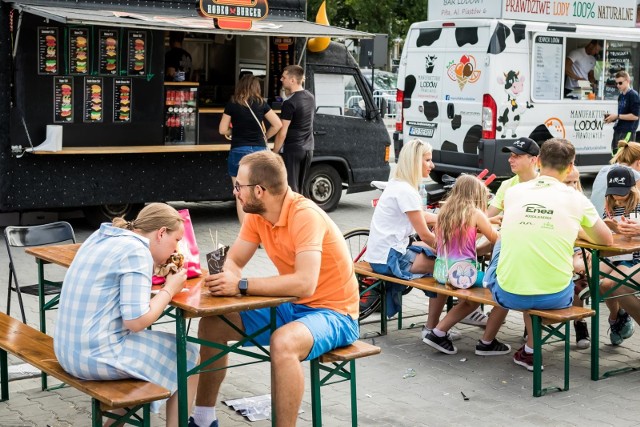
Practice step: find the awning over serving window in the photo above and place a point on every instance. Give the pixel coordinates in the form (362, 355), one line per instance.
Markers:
(275, 26)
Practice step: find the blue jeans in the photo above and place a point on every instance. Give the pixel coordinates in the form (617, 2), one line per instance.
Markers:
(237, 153)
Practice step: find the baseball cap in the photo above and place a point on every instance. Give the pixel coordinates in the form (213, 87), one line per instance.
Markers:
(620, 180)
(523, 145)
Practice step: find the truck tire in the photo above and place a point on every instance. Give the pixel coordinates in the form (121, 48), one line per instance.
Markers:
(96, 215)
(324, 186)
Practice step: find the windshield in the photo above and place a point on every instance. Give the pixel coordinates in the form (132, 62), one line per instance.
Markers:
(383, 80)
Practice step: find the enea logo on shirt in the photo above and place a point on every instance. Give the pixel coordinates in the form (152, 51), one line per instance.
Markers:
(534, 210)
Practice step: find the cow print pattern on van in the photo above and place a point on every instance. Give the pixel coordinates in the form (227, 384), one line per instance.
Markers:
(470, 143)
(456, 122)
(466, 35)
(409, 87)
(430, 110)
(449, 146)
(498, 40)
(428, 36)
(519, 32)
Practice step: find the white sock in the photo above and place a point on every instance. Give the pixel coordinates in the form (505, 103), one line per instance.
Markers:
(528, 349)
(437, 332)
(203, 416)
(486, 342)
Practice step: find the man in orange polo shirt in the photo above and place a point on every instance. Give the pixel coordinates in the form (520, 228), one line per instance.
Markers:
(314, 265)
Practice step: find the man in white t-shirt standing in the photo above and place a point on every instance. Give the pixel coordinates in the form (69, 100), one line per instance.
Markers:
(579, 65)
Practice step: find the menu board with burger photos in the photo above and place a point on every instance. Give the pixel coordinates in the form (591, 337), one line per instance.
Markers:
(108, 54)
(137, 53)
(93, 94)
(78, 51)
(122, 101)
(48, 50)
(63, 99)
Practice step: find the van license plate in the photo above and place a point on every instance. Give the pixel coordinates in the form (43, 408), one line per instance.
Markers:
(428, 133)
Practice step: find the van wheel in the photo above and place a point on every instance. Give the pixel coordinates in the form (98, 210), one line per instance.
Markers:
(96, 215)
(324, 186)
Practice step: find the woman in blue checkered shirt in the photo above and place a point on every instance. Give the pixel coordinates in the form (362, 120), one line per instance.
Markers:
(106, 305)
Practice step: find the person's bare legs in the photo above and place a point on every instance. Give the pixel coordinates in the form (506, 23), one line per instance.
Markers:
(172, 403)
(630, 303)
(239, 210)
(215, 330)
(528, 324)
(436, 305)
(456, 314)
(290, 344)
(423, 264)
(498, 314)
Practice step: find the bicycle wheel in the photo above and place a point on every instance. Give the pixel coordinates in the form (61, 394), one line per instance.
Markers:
(357, 242)
(370, 299)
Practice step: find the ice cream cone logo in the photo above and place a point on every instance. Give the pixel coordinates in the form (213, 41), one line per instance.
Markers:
(464, 71)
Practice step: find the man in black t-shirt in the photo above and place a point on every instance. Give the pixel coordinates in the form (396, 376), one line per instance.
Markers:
(628, 112)
(177, 61)
(296, 136)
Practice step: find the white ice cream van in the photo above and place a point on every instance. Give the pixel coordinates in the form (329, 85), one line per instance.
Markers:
(481, 73)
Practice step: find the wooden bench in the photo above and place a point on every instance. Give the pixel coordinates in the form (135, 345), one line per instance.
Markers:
(548, 321)
(36, 348)
(334, 363)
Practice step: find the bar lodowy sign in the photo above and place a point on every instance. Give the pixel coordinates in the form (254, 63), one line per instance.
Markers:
(234, 14)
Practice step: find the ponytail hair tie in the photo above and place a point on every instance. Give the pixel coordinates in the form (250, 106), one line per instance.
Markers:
(129, 225)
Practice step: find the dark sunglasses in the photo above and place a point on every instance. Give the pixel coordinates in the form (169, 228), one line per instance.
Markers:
(620, 83)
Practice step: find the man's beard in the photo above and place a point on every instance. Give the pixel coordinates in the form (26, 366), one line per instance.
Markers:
(253, 206)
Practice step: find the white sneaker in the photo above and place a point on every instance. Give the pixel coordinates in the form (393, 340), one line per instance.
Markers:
(476, 318)
(454, 334)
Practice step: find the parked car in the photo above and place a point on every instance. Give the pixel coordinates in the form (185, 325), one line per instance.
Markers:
(384, 89)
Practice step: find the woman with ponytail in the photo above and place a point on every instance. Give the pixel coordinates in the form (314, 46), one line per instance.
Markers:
(106, 305)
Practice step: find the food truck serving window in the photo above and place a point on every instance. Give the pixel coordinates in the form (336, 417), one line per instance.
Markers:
(555, 59)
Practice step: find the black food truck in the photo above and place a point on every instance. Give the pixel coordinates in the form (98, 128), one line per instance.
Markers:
(88, 121)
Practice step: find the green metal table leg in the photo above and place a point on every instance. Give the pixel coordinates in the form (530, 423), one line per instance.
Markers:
(4, 376)
(181, 345)
(383, 309)
(400, 312)
(41, 311)
(536, 321)
(567, 349)
(146, 414)
(96, 413)
(595, 320)
(316, 398)
(354, 397)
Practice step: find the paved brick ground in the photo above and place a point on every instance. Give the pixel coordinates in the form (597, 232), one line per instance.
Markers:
(499, 391)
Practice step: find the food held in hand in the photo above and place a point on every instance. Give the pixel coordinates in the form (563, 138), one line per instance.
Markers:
(173, 264)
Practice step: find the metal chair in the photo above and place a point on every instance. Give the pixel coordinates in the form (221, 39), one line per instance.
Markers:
(36, 235)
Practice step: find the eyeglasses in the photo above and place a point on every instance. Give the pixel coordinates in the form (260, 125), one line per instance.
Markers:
(620, 83)
(237, 186)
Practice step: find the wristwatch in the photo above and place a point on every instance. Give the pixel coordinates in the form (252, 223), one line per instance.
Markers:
(243, 285)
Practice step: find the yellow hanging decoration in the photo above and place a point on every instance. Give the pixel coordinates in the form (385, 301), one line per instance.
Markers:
(318, 44)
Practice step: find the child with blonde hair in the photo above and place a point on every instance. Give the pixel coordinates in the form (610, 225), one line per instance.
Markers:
(459, 221)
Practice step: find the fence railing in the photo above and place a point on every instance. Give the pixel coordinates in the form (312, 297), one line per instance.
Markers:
(353, 97)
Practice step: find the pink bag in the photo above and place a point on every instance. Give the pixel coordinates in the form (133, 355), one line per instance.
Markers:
(188, 247)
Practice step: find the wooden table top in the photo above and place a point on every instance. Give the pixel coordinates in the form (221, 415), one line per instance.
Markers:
(196, 301)
(621, 245)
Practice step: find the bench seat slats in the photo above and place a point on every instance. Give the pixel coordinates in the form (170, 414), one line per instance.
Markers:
(476, 294)
(36, 348)
(356, 350)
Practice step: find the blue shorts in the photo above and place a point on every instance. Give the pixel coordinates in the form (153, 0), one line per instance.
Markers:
(329, 328)
(561, 299)
(237, 153)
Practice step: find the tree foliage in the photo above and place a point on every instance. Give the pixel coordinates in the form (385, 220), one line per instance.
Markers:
(392, 17)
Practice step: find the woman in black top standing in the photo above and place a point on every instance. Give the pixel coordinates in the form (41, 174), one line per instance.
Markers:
(246, 111)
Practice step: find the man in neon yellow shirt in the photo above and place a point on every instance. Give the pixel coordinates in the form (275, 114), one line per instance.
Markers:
(532, 263)
(523, 161)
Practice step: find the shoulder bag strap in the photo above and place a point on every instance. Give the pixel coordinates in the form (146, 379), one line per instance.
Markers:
(264, 135)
